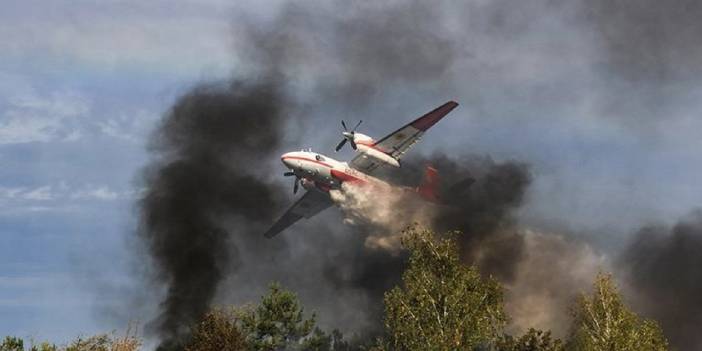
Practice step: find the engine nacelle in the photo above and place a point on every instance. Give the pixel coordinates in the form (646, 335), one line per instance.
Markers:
(365, 146)
(369, 151)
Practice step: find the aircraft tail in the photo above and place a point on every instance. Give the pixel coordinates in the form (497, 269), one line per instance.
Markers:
(429, 189)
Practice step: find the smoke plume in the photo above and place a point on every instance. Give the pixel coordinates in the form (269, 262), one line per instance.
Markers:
(549, 274)
(662, 264)
(196, 181)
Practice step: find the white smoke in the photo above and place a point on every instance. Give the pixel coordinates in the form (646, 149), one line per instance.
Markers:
(384, 210)
(551, 272)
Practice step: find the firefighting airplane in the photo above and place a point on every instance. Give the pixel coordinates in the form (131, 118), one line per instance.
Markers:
(319, 174)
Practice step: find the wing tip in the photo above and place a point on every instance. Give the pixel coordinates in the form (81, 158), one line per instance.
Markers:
(428, 120)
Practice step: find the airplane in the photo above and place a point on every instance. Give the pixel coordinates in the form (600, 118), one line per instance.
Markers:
(319, 174)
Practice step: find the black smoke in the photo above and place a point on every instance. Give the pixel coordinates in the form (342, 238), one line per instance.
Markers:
(206, 168)
(479, 197)
(663, 266)
(484, 214)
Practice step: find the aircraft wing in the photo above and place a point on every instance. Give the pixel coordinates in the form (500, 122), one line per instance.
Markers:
(307, 206)
(398, 142)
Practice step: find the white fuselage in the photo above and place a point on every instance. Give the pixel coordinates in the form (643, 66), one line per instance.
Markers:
(322, 172)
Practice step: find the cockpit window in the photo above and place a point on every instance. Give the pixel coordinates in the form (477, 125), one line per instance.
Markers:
(319, 157)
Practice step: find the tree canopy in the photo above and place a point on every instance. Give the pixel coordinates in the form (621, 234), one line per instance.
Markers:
(602, 322)
(442, 303)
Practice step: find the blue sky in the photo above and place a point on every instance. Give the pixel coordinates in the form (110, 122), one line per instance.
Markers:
(83, 84)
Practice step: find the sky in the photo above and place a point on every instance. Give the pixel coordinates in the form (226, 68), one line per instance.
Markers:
(610, 144)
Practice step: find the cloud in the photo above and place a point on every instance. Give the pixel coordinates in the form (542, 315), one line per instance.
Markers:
(40, 194)
(43, 118)
(128, 127)
(154, 36)
(58, 197)
(97, 193)
(67, 116)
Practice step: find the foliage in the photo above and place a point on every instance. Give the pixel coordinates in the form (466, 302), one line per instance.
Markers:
(443, 304)
(603, 322)
(12, 343)
(105, 342)
(93, 343)
(16, 344)
(533, 340)
(277, 322)
(44, 346)
(217, 331)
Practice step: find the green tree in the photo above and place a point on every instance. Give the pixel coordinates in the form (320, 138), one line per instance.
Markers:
(103, 342)
(533, 340)
(94, 343)
(217, 331)
(602, 322)
(12, 343)
(44, 346)
(442, 303)
(16, 344)
(278, 323)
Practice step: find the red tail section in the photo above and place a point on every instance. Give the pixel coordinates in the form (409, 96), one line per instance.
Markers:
(429, 189)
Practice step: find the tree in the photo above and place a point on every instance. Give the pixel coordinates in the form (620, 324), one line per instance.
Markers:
(217, 331)
(16, 344)
(44, 346)
(12, 343)
(602, 322)
(102, 342)
(278, 322)
(442, 303)
(533, 340)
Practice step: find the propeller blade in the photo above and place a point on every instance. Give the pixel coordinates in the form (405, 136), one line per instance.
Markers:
(344, 125)
(341, 144)
(288, 174)
(353, 144)
(358, 124)
(296, 186)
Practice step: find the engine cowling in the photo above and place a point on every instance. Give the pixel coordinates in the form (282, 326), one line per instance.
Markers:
(379, 155)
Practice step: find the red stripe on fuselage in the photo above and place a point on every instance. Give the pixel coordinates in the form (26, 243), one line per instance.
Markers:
(345, 177)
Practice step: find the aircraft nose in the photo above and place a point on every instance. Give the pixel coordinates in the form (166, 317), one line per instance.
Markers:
(285, 158)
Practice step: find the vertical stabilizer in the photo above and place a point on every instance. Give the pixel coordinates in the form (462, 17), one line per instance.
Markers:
(429, 189)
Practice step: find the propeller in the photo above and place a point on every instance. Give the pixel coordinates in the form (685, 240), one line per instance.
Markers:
(296, 185)
(348, 136)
